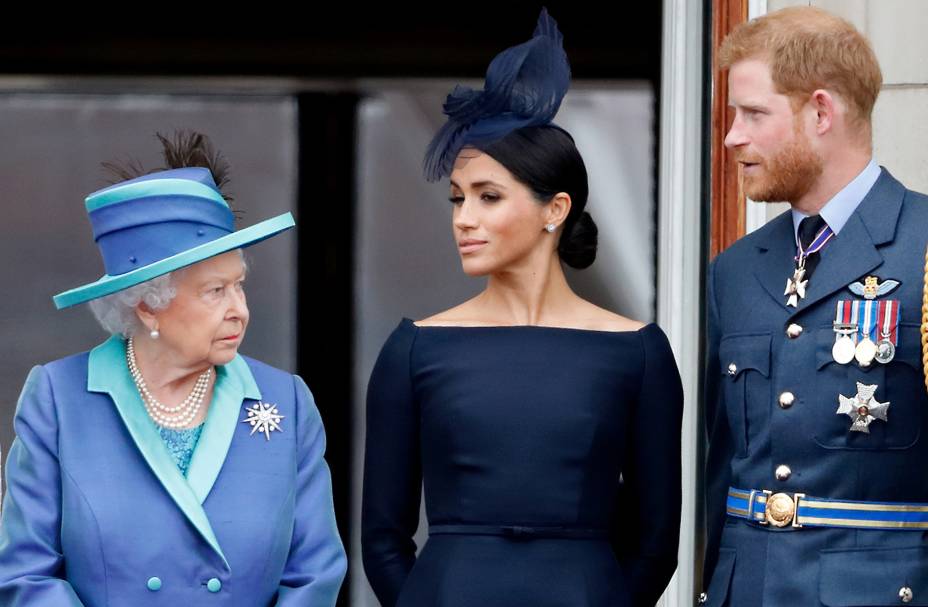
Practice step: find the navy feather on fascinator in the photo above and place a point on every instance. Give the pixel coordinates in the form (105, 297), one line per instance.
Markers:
(524, 87)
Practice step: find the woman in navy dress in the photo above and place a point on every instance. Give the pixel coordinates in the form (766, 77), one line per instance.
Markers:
(546, 430)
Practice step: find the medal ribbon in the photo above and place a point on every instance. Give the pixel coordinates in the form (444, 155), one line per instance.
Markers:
(889, 320)
(868, 328)
(846, 314)
(855, 318)
(818, 243)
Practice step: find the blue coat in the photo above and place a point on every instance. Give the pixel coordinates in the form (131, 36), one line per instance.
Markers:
(96, 512)
(753, 361)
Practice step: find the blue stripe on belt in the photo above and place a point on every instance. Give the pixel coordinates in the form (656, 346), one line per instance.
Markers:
(800, 510)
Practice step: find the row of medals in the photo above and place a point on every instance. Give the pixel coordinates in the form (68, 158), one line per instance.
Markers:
(865, 351)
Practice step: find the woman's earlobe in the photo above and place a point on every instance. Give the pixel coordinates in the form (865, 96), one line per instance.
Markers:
(146, 316)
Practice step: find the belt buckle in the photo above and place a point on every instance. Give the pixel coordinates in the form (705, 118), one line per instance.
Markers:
(781, 509)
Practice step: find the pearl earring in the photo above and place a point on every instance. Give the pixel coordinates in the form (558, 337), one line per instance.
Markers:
(155, 334)
(550, 227)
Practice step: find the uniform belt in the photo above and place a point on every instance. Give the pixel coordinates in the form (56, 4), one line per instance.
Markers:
(800, 510)
(521, 532)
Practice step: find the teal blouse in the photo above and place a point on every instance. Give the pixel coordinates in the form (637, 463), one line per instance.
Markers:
(181, 444)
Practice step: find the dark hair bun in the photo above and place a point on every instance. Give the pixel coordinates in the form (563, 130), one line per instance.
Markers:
(577, 247)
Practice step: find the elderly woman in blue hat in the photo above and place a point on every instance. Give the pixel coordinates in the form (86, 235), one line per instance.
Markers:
(162, 467)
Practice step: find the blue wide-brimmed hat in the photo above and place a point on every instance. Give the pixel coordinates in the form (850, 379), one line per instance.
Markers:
(151, 225)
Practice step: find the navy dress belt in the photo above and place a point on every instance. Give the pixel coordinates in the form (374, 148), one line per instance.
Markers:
(521, 531)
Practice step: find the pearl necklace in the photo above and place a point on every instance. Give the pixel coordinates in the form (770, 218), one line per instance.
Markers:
(169, 417)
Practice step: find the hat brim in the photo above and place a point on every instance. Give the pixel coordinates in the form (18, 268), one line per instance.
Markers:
(107, 285)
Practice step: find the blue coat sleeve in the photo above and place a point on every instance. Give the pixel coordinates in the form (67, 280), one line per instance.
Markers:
(31, 561)
(721, 447)
(648, 531)
(316, 564)
(392, 470)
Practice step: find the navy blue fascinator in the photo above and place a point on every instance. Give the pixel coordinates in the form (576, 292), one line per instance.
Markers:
(524, 87)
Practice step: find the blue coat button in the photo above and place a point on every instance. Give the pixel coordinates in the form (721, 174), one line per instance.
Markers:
(214, 585)
(154, 584)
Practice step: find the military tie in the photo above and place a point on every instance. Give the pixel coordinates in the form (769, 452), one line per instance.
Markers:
(813, 234)
(809, 227)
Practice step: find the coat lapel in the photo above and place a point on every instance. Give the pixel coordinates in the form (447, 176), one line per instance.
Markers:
(234, 383)
(774, 264)
(109, 374)
(849, 255)
(853, 252)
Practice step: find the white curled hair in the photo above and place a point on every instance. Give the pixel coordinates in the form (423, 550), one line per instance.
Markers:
(116, 312)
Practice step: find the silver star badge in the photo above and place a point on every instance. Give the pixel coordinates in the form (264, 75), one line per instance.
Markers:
(796, 287)
(263, 417)
(862, 408)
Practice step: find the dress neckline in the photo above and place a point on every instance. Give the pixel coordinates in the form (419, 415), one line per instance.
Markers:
(528, 327)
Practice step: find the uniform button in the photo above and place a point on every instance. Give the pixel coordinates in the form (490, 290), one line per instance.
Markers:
(786, 400)
(793, 331)
(732, 369)
(905, 594)
(214, 585)
(703, 597)
(154, 584)
(783, 473)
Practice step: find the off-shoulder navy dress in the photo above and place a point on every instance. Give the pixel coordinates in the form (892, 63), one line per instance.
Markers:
(550, 459)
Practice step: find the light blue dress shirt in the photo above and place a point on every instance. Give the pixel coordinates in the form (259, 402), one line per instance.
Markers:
(837, 210)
